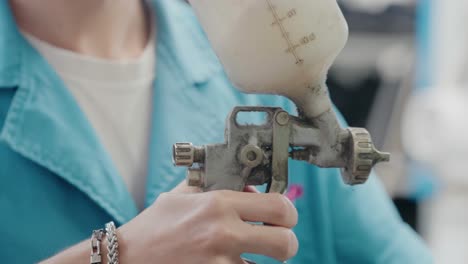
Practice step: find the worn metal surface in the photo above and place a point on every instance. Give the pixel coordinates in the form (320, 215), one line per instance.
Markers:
(258, 154)
(279, 162)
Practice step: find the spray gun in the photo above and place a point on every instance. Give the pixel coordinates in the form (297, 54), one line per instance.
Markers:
(284, 48)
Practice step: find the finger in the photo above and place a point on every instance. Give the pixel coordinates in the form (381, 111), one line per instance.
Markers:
(184, 188)
(251, 189)
(273, 209)
(277, 242)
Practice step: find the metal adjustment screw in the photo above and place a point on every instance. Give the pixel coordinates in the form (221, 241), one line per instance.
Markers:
(363, 156)
(251, 156)
(194, 177)
(282, 118)
(183, 154)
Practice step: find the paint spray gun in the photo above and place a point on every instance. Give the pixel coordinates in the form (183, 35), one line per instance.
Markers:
(282, 47)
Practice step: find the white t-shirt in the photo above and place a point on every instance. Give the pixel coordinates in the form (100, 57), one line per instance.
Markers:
(116, 97)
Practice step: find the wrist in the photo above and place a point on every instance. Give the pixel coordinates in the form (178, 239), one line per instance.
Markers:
(124, 249)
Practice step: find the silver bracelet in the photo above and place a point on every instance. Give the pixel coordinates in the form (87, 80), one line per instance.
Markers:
(112, 244)
(96, 239)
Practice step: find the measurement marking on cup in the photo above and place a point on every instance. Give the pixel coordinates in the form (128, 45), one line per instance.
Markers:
(291, 13)
(284, 33)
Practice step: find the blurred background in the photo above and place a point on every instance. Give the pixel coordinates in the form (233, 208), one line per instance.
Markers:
(404, 76)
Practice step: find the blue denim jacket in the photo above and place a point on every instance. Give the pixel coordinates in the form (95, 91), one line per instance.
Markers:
(57, 183)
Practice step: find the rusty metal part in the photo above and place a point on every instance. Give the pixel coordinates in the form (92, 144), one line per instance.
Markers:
(185, 154)
(258, 154)
(280, 147)
(194, 177)
(251, 156)
(362, 157)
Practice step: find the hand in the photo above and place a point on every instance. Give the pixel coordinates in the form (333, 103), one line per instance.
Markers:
(210, 228)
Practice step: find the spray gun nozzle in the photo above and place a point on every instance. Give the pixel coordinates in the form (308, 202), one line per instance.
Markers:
(381, 156)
